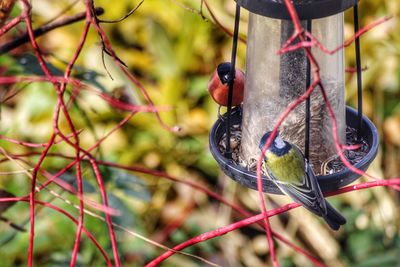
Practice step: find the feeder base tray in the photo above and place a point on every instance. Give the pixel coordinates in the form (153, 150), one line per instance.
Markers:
(327, 183)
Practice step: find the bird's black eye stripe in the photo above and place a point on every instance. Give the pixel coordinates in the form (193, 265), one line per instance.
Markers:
(223, 71)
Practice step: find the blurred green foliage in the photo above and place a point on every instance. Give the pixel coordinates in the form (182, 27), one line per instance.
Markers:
(172, 50)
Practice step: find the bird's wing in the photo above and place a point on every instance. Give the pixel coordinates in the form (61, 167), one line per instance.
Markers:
(307, 191)
(315, 187)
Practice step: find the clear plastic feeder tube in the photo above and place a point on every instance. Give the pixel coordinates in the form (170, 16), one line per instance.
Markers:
(274, 81)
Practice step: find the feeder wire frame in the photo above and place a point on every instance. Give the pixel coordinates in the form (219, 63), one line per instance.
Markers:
(228, 152)
(359, 72)
(328, 182)
(308, 103)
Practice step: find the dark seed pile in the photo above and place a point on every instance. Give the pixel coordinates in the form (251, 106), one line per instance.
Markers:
(330, 166)
(334, 164)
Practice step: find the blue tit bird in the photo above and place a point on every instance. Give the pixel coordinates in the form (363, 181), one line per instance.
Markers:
(286, 166)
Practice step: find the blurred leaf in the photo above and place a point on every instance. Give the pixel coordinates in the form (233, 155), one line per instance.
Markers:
(351, 216)
(286, 262)
(5, 205)
(9, 66)
(37, 101)
(162, 48)
(392, 104)
(106, 173)
(391, 129)
(61, 259)
(72, 180)
(389, 258)
(91, 77)
(198, 87)
(126, 218)
(131, 185)
(139, 194)
(30, 65)
(179, 236)
(363, 243)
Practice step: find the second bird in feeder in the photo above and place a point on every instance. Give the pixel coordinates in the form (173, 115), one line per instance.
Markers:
(218, 86)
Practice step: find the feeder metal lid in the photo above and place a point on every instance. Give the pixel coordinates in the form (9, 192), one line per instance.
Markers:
(306, 9)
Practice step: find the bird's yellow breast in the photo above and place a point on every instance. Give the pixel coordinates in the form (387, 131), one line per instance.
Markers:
(288, 168)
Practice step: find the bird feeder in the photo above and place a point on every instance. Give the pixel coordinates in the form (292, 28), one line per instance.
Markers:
(274, 81)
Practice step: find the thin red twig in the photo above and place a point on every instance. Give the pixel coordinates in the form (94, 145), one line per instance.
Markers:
(192, 185)
(251, 220)
(219, 24)
(11, 24)
(33, 145)
(60, 84)
(69, 216)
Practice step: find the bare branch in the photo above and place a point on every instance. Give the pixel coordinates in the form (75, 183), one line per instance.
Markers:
(5, 9)
(124, 17)
(24, 38)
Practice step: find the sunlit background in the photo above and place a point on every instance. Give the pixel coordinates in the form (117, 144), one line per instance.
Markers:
(173, 50)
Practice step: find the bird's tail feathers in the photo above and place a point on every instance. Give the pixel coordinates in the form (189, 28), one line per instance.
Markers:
(333, 218)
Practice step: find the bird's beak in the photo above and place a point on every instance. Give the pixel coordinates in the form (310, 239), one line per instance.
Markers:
(225, 79)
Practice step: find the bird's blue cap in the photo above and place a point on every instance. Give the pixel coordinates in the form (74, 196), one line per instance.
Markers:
(223, 71)
(264, 139)
(278, 147)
